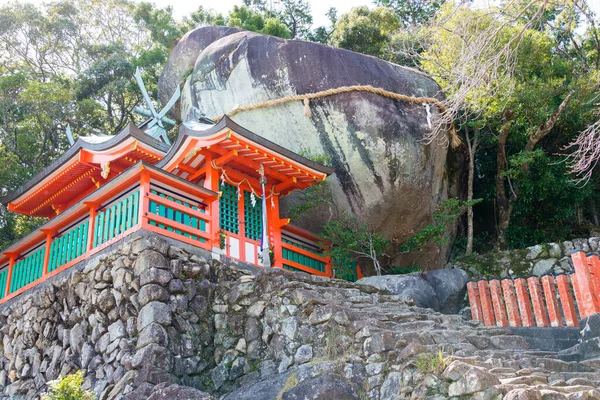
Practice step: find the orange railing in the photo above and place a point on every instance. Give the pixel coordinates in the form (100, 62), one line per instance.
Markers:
(302, 251)
(115, 210)
(555, 301)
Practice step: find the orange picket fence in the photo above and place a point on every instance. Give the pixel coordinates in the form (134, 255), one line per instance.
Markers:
(554, 301)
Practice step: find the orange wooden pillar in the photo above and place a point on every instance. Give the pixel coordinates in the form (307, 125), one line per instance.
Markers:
(11, 263)
(144, 201)
(211, 182)
(510, 299)
(588, 302)
(524, 302)
(486, 303)
(274, 222)
(566, 300)
(498, 303)
(551, 301)
(537, 300)
(93, 207)
(359, 273)
(474, 300)
(575, 283)
(49, 234)
(594, 268)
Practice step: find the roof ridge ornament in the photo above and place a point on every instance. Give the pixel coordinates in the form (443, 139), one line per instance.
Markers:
(69, 135)
(156, 126)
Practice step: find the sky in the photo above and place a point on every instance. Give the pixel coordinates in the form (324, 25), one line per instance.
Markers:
(319, 7)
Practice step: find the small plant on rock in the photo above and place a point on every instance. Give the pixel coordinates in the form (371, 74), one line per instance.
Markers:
(68, 388)
(432, 363)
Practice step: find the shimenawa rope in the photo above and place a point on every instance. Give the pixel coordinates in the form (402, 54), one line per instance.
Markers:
(305, 98)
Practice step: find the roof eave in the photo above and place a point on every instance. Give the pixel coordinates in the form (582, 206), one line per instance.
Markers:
(129, 130)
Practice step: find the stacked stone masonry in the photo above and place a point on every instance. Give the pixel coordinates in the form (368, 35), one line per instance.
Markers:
(547, 258)
(151, 319)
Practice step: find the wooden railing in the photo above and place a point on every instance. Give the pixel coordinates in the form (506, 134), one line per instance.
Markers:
(141, 197)
(555, 301)
(302, 251)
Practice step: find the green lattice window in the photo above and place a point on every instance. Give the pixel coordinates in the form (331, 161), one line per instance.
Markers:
(301, 258)
(228, 208)
(252, 217)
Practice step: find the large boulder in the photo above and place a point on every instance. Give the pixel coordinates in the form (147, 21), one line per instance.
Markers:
(442, 290)
(450, 287)
(411, 285)
(384, 173)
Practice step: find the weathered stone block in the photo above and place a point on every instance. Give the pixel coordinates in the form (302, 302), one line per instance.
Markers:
(156, 275)
(155, 355)
(303, 354)
(152, 292)
(154, 311)
(153, 333)
(474, 380)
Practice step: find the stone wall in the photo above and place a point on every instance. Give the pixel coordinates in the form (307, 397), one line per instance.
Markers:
(139, 307)
(152, 319)
(536, 260)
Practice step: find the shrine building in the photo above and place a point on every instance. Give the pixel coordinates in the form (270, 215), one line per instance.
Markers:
(217, 187)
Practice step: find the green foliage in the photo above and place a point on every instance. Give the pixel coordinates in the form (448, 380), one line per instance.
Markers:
(546, 210)
(68, 388)
(444, 216)
(351, 240)
(245, 18)
(413, 12)
(432, 363)
(364, 30)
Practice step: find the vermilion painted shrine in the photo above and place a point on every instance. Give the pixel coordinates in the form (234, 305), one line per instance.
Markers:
(205, 190)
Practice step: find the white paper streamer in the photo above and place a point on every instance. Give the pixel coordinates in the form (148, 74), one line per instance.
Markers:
(428, 109)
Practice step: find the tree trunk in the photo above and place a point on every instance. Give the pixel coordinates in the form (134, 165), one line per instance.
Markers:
(472, 147)
(504, 206)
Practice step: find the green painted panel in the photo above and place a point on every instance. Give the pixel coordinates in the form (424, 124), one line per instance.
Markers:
(118, 215)
(136, 206)
(252, 216)
(3, 276)
(27, 270)
(228, 208)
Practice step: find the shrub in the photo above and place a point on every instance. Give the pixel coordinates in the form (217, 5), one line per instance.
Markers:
(68, 388)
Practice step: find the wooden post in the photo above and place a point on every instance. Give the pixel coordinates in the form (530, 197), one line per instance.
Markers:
(474, 301)
(524, 302)
(144, 192)
(566, 300)
(11, 263)
(551, 301)
(486, 303)
(575, 283)
(92, 207)
(49, 234)
(211, 182)
(538, 301)
(589, 301)
(275, 229)
(594, 268)
(510, 298)
(359, 273)
(498, 303)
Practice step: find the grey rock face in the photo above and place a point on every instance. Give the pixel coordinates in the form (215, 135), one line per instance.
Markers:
(412, 285)
(383, 171)
(177, 392)
(326, 387)
(450, 287)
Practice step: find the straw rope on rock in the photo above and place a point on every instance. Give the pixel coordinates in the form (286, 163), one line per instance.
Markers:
(454, 139)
